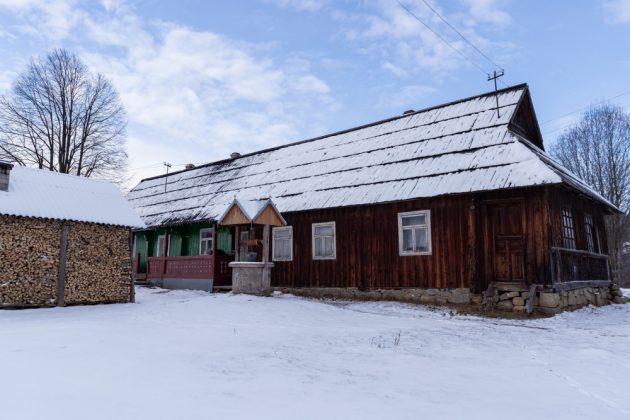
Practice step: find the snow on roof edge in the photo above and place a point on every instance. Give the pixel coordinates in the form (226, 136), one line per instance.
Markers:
(44, 194)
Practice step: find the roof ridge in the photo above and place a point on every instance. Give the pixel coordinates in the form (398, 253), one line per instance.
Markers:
(348, 130)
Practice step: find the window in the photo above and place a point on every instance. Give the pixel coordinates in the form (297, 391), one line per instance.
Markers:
(282, 243)
(414, 233)
(205, 241)
(568, 229)
(159, 246)
(588, 229)
(324, 247)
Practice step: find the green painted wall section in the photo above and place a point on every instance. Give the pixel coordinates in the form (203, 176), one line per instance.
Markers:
(224, 240)
(184, 241)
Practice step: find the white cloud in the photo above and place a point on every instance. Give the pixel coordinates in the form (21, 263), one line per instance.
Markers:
(49, 19)
(409, 95)
(394, 69)
(301, 5)
(488, 11)
(195, 96)
(617, 11)
(191, 95)
(406, 48)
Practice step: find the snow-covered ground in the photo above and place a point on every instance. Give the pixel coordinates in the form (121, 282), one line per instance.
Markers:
(191, 355)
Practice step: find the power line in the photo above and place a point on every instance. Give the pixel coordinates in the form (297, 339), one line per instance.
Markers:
(624, 107)
(585, 107)
(461, 35)
(441, 38)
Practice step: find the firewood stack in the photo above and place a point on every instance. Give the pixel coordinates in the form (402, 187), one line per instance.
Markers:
(98, 268)
(29, 261)
(98, 265)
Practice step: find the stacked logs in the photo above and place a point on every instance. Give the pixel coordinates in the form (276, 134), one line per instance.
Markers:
(98, 264)
(29, 261)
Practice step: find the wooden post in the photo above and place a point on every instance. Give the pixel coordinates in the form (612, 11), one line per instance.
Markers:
(165, 251)
(135, 263)
(63, 253)
(237, 243)
(215, 236)
(265, 256)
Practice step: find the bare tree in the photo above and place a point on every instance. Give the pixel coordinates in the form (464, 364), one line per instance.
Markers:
(597, 149)
(61, 117)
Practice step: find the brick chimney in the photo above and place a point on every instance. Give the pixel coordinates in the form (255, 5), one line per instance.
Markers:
(5, 173)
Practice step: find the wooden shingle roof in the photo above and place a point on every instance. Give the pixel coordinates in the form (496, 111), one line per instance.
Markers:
(458, 147)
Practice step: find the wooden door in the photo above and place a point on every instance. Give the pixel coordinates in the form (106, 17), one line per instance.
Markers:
(505, 242)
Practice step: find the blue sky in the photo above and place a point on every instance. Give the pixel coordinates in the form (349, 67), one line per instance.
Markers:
(201, 79)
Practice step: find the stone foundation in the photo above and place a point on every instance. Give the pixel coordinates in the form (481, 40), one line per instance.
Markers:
(545, 302)
(424, 296)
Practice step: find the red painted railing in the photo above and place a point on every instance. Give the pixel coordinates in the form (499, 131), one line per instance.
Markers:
(198, 267)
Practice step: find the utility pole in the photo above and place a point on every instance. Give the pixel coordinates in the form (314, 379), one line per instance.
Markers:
(168, 166)
(494, 76)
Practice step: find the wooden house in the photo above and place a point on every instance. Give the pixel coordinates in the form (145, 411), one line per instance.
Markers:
(64, 239)
(440, 203)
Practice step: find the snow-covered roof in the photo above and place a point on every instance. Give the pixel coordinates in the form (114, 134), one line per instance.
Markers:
(458, 147)
(51, 195)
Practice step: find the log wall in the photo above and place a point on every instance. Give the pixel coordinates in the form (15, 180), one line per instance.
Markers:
(368, 251)
(98, 263)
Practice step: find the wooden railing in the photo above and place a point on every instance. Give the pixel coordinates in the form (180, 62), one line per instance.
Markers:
(571, 265)
(198, 267)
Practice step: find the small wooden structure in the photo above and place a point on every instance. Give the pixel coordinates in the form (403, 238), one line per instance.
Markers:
(248, 274)
(64, 240)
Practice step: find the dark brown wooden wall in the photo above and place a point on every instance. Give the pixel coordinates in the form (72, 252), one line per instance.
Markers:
(534, 227)
(367, 244)
(563, 197)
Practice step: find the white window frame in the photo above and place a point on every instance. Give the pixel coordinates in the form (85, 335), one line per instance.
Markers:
(273, 243)
(157, 246)
(334, 236)
(427, 213)
(212, 238)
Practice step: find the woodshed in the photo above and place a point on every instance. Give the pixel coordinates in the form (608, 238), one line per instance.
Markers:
(64, 240)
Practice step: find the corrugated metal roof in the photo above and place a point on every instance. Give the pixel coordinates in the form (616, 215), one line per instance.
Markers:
(455, 148)
(51, 195)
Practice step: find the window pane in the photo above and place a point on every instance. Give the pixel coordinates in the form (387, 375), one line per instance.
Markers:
(328, 246)
(206, 234)
(282, 233)
(286, 249)
(319, 247)
(277, 252)
(323, 230)
(407, 240)
(422, 243)
(415, 220)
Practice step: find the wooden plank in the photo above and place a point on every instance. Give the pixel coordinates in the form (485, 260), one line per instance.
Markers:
(572, 285)
(269, 216)
(63, 256)
(234, 216)
(135, 262)
(529, 304)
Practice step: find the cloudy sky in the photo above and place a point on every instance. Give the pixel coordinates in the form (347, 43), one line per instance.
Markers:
(201, 79)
